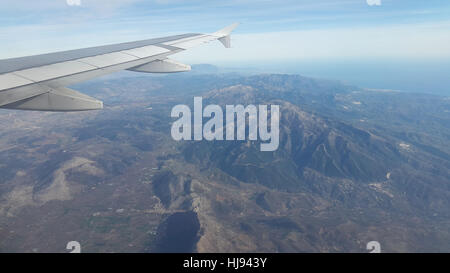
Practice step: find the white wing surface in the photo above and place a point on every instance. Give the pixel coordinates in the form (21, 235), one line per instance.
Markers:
(38, 82)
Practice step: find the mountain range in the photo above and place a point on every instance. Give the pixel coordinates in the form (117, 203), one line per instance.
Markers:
(354, 165)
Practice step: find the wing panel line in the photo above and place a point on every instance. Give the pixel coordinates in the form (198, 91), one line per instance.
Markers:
(151, 58)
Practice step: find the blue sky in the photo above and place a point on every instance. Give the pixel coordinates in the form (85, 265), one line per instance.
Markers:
(269, 31)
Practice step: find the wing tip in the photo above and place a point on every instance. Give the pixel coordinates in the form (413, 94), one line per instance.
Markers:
(226, 30)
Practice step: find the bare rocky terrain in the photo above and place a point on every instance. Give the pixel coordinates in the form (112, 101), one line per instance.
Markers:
(353, 166)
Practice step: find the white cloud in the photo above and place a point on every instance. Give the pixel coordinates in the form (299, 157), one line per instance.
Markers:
(424, 41)
(73, 2)
(374, 2)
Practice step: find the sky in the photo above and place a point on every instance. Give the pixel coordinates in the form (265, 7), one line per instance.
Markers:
(270, 31)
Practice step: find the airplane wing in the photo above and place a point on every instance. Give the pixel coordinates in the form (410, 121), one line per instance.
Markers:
(38, 82)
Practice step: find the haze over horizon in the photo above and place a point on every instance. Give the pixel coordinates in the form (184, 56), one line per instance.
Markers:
(377, 44)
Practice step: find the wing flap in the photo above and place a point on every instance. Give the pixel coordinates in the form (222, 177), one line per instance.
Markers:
(109, 59)
(57, 99)
(11, 80)
(162, 66)
(146, 51)
(53, 71)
